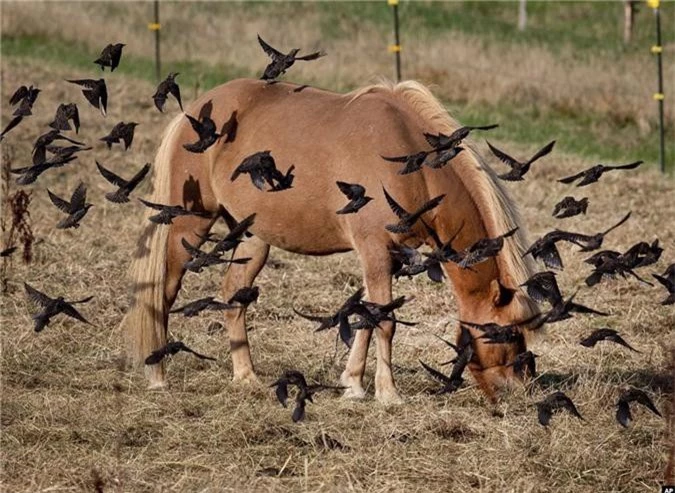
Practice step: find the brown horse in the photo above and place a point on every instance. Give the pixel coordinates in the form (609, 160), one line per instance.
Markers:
(329, 137)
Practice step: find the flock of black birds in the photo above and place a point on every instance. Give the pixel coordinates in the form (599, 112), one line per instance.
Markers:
(355, 313)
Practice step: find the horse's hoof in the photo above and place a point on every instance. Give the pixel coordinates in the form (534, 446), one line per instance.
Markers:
(248, 378)
(389, 398)
(158, 385)
(354, 393)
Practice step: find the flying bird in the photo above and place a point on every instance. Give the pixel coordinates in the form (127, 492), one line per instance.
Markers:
(262, 169)
(284, 181)
(519, 168)
(357, 197)
(7, 252)
(110, 56)
(482, 250)
(169, 212)
(562, 310)
(282, 62)
(121, 195)
(591, 175)
(245, 296)
(31, 173)
(25, 97)
(523, 362)
(52, 307)
(95, 91)
(39, 152)
(206, 131)
(667, 280)
(66, 113)
(209, 303)
(233, 238)
(605, 334)
(623, 414)
(443, 157)
(166, 87)
(609, 263)
(443, 142)
(409, 262)
(455, 380)
(121, 132)
(569, 207)
(545, 247)
(170, 349)
(554, 403)
(199, 259)
(408, 219)
(642, 254)
(542, 287)
(494, 333)
(593, 242)
(76, 209)
(413, 162)
(305, 391)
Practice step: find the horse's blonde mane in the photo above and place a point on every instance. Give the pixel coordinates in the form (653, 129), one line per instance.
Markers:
(499, 212)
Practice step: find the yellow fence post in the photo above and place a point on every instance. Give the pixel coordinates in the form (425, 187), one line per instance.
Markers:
(396, 47)
(657, 49)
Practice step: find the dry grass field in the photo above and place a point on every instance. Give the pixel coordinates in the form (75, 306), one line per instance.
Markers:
(73, 418)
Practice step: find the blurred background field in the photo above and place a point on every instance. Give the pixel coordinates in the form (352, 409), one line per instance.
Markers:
(568, 76)
(72, 418)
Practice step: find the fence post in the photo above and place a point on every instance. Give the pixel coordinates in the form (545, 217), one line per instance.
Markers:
(659, 96)
(156, 26)
(396, 47)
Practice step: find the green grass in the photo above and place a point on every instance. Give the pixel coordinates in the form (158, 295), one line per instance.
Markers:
(592, 136)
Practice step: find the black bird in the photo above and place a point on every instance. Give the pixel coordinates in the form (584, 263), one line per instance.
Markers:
(408, 219)
(45, 140)
(409, 262)
(200, 259)
(464, 354)
(170, 349)
(305, 391)
(562, 310)
(169, 212)
(443, 157)
(76, 209)
(413, 162)
(591, 175)
(64, 114)
(623, 414)
(209, 303)
(569, 207)
(206, 130)
(593, 242)
(608, 264)
(555, 402)
(52, 307)
(353, 305)
(356, 195)
(464, 340)
(443, 142)
(30, 173)
(166, 87)
(7, 252)
(233, 238)
(262, 168)
(282, 62)
(605, 334)
(245, 296)
(542, 287)
(95, 91)
(524, 361)
(25, 97)
(121, 132)
(494, 333)
(642, 254)
(667, 280)
(65, 151)
(121, 195)
(381, 313)
(442, 252)
(519, 168)
(284, 181)
(545, 247)
(482, 250)
(110, 56)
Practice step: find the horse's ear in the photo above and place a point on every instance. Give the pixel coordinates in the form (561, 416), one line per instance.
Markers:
(501, 295)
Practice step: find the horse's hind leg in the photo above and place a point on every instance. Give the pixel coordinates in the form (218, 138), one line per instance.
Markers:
(237, 277)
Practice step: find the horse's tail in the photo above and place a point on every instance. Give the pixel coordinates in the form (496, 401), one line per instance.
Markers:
(144, 325)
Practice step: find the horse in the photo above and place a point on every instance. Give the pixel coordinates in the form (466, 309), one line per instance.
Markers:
(329, 137)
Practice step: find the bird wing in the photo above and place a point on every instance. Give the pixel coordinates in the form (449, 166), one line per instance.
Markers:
(63, 205)
(625, 218)
(18, 95)
(152, 205)
(543, 413)
(311, 56)
(111, 177)
(570, 179)
(351, 190)
(78, 198)
(156, 356)
(196, 124)
(175, 92)
(138, 177)
(433, 140)
(666, 283)
(396, 159)
(625, 166)
(36, 296)
(542, 152)
(393, 205)
(299, 411)
(69, 310)
(427, 206)
(192, 250)
(437, 375)
(160, 99)
(505, 158)
(271, 52)
(623, 415)
(13, 123)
